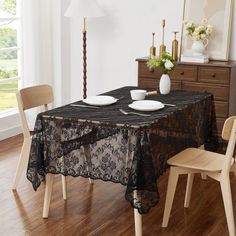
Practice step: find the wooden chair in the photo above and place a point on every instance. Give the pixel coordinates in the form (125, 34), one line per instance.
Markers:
(216, 166)
(28, 98)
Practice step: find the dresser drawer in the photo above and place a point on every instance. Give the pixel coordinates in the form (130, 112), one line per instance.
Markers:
(221, 109)
(184, 72)
(175, 85)
(218, 75)
(148, 83)
(145, 72)
(154, 84)
(220, 92)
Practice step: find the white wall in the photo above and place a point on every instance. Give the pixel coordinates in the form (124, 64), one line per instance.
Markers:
(116, 40)
(233, 38)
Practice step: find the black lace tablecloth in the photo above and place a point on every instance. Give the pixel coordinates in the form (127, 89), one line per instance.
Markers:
(131, 150)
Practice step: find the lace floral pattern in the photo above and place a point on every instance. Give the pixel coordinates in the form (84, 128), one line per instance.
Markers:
(104, 144)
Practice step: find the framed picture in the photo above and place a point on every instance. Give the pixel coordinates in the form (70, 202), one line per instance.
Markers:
(219, 14)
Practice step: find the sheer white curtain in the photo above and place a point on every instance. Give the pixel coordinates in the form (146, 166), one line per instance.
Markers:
(43, 53)
(42, 44)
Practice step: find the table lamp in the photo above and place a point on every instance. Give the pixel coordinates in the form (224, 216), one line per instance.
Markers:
(82, 9)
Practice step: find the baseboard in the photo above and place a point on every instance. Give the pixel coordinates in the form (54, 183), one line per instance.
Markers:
(7, 133)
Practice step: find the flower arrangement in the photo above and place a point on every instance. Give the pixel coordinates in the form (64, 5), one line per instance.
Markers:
(166, 63)
(200, 32)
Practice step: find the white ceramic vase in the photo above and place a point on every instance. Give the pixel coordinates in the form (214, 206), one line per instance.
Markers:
(198, 47)
(165, 84)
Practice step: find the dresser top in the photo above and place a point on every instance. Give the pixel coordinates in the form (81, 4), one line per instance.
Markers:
(229, 63)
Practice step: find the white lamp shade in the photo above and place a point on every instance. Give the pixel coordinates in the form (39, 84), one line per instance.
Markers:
(84, 9)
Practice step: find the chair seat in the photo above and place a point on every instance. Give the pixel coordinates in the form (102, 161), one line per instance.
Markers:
(198, 159)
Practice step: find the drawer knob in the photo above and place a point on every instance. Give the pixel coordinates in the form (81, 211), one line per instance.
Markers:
(182, 73)
(213, 75)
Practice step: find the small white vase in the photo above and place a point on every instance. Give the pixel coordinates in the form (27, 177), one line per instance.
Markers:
(198, 47)
(165, 84)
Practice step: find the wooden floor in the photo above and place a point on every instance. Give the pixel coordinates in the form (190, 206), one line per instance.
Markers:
(101, 209)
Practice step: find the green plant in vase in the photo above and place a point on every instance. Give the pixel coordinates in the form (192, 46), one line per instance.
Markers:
(167, 64)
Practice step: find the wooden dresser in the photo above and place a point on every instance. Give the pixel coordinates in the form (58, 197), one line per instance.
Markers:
(218, 78)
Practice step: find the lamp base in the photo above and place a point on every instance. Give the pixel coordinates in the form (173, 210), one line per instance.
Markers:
(85, 64)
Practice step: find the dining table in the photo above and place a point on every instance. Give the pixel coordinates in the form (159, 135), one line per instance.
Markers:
(105, 144)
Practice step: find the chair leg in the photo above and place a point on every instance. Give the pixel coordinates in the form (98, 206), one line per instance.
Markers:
(23, 160)
(48, 194)
(227, 198)
(88, 159)
(63, 180)
(172, 183)
(138, 223)
(188, 190)
(137, 218)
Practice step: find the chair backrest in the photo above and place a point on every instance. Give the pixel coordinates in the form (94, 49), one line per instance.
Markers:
(229, 134)
(36, 96)
(32, 97)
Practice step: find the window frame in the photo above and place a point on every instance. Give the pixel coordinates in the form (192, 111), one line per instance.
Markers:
(18, 49)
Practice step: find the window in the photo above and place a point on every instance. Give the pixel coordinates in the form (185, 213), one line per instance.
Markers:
(9, 53)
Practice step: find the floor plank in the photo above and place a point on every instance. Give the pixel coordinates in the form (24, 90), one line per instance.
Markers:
(101, 209)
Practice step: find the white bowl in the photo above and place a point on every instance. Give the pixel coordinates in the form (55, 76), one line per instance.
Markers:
(138, 94)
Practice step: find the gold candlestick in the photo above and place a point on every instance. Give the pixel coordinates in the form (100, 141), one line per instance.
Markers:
(175, 46)
(153, 48)
(163, 47)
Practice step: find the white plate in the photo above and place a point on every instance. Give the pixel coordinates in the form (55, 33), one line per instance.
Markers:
(146, 105)
(100, 100)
